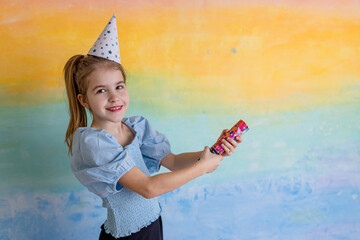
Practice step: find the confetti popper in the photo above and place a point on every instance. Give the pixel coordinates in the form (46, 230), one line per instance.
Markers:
(238, 129)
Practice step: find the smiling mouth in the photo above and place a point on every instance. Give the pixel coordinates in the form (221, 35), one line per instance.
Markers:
(116, 108)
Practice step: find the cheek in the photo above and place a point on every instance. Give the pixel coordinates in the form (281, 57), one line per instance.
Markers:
(95, 101)
(126, 97)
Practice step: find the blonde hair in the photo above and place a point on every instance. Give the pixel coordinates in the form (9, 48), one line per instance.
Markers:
(76, 71)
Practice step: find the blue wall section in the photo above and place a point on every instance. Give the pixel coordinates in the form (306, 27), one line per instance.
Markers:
(295, 176)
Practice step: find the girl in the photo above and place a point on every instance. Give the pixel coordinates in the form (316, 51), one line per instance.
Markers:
(115, 157)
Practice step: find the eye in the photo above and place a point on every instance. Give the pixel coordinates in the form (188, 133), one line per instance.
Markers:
(120, 87)
(100, 91)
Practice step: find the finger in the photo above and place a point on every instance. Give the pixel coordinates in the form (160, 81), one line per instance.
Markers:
(226, 149)
(230, 144)
(223, 133)
(238, 139)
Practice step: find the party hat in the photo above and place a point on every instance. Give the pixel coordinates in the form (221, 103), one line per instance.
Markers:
(107, 44)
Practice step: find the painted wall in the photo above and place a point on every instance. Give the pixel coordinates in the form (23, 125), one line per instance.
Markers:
(290, 69)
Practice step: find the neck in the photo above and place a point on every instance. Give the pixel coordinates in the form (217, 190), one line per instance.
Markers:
(115, 129)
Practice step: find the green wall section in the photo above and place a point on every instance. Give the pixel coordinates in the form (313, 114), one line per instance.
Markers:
(33, 154)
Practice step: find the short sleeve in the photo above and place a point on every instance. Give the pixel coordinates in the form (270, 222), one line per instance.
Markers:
(154, 145)
(98, 161)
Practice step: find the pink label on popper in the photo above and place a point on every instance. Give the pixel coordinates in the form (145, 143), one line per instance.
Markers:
(238, 129)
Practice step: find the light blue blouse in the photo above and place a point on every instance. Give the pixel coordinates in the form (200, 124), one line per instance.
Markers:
(99, 161)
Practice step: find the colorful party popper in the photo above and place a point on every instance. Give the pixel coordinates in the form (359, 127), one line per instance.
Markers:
(238, 129)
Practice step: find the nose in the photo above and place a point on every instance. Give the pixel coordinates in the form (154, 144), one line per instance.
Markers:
(113, 96)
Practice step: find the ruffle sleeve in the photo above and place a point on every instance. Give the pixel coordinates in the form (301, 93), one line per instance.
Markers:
(154, 145)
(98, 161)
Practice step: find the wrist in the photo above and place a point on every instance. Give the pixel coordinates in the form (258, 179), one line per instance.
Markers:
(199, 168)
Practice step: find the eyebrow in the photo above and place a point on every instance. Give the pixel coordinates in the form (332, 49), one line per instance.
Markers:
(101, 86)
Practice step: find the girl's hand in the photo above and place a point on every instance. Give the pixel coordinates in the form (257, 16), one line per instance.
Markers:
(209, 162)
(228, 144)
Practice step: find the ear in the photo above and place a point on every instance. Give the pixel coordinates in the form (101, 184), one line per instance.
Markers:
(82, 101)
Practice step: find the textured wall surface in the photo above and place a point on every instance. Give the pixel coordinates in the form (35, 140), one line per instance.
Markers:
(289, 69)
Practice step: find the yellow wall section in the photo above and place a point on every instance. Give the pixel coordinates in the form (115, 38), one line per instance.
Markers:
(273, 52)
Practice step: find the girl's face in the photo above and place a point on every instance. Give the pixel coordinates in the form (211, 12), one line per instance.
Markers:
(106, 97)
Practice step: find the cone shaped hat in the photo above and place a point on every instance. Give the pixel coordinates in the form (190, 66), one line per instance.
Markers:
(107, 44)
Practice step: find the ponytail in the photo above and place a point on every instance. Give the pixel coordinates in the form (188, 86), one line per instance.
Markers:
(78, 117)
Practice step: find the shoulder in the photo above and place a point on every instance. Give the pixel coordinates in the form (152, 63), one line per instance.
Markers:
(136, 121)
(146, 132)
(140, 124)
(93, 146)
(88, 139)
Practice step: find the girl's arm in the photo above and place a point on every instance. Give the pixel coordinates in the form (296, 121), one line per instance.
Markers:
(159, 184)
(175, 162)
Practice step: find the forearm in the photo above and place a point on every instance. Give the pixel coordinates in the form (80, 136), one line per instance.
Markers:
(154, 186)
(184, 160)
(166, 182)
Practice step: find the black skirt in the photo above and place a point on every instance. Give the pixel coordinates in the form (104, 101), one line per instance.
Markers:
(152, 232)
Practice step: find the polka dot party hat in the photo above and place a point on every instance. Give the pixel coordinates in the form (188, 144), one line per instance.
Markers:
(107, 44)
